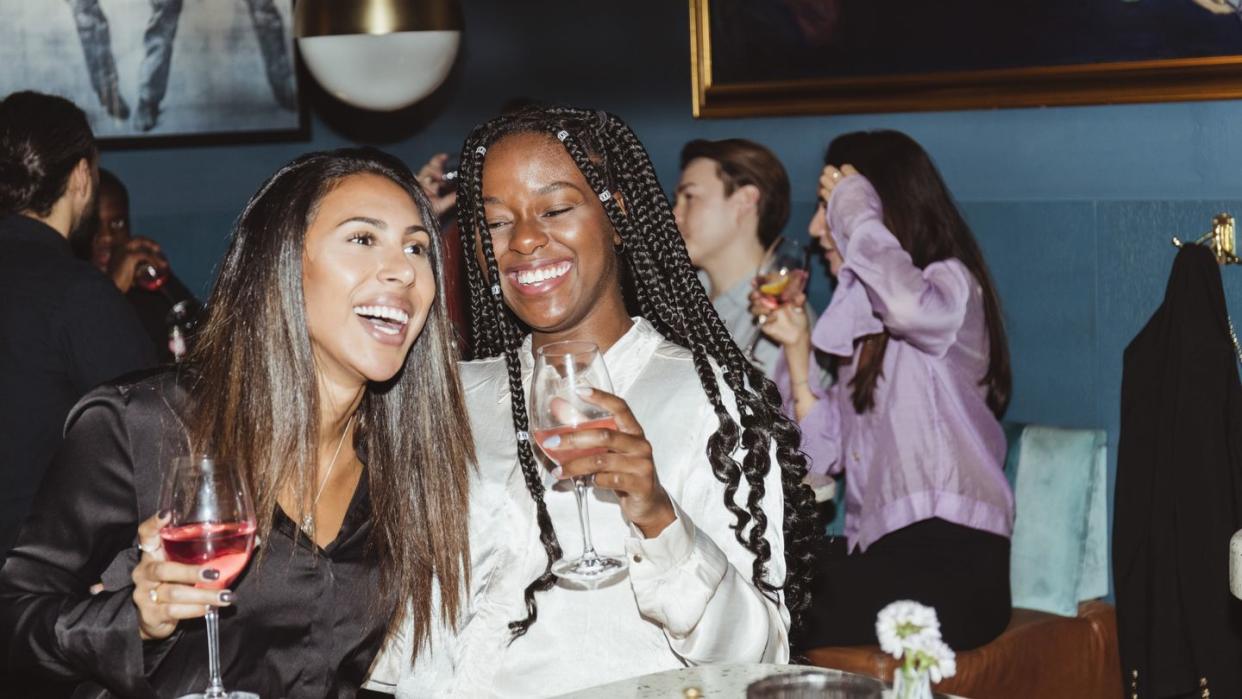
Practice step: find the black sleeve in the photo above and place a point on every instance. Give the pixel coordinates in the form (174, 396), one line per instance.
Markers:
(102, 335)
(85, 514)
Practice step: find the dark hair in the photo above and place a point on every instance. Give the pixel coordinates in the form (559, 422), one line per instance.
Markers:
(111, 184)
(663, 285)
(920, 212)
(740, 162)
(255, 398)
(42, 138)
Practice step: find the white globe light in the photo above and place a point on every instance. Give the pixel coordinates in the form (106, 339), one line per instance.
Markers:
(381, 72)
(378, 54)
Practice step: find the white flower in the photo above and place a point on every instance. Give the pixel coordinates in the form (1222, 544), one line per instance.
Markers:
(937, 657)
(904, 624)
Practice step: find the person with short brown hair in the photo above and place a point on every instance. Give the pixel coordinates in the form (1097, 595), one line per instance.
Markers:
(732, 203)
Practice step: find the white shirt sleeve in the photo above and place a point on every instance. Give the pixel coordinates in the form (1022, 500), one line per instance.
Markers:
(694, 578)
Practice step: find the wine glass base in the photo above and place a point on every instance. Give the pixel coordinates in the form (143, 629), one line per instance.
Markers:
(230, 695)
(590, 573)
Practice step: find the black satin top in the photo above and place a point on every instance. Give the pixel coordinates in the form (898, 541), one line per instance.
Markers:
(302, 625)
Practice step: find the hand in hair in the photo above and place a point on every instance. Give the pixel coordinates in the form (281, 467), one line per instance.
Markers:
(625, 467)
(830, 177)
(164, 592)
(127, 258)
(431, 179)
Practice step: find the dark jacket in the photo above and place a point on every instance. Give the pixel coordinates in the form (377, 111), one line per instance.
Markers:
(1179, 493)
(306, 621)
(64, 329)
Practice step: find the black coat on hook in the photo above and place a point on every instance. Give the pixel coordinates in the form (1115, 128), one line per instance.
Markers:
(1178, 495)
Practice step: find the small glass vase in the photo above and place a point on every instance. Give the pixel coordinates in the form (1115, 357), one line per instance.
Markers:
(911, 684)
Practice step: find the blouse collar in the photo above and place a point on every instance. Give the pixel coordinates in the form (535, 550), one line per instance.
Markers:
(624, 360)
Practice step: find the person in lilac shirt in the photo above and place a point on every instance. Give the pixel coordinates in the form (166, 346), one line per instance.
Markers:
(923, 377)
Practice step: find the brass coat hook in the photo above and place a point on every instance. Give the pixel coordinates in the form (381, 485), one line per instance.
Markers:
(1221, 240)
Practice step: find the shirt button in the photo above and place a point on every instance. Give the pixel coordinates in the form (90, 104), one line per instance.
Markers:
(638, 558)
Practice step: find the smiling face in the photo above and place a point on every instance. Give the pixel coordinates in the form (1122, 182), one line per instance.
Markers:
(553, 241)
(366, 279)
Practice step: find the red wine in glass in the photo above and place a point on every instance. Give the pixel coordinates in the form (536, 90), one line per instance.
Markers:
(150, 277)
(225, 547)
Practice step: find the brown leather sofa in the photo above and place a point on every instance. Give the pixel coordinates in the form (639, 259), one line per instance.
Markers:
(1040, 656)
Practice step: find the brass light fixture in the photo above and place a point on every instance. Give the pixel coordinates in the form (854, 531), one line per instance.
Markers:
(378, 54)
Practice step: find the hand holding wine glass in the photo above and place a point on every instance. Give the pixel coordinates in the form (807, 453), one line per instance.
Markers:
(138, 261)
(166, 592)
(619, 458)
(780, 279)
(210, 523)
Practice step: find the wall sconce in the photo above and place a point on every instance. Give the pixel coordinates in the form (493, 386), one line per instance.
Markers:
(378, 54)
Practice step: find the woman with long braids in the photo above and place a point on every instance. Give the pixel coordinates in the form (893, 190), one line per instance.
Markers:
(700, 486)
(914, 417)
(326, 376)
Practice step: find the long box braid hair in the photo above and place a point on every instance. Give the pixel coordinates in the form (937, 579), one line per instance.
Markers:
(663, 284)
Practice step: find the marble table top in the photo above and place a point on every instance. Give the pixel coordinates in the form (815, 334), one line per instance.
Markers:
(723, 681)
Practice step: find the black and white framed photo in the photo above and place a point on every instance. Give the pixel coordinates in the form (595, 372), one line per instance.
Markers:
(145, 69)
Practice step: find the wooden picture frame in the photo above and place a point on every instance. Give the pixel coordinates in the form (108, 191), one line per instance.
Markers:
(1157, 79)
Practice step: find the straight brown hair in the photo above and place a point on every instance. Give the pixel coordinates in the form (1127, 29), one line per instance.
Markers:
(255, 397)
(921, 214)
(740, 162)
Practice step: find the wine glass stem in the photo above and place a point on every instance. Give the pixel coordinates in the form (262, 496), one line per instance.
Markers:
(215, 688)
(584, 517)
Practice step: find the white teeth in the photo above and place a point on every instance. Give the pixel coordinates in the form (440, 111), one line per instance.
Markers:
(541, 274)
(396, 315)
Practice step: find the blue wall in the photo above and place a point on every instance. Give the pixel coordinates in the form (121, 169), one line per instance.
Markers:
(1074, 206)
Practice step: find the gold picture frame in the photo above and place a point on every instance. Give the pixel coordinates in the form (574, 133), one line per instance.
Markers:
(1158, 80)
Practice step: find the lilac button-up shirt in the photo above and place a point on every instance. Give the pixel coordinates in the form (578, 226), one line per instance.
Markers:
(930, 447)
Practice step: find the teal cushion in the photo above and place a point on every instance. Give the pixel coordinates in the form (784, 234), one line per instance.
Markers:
(1058, 554)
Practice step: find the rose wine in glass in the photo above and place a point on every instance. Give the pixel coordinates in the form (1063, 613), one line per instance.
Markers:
(211, 522)
(781, 277)
(561, 368)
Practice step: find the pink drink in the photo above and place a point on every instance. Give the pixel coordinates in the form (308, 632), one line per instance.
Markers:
(563, 456)
(224, 546)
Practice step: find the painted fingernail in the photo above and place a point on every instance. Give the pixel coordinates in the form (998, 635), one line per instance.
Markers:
(552, 442)
(225, 597)
(584, 391)
(210, 574)
(558, 473)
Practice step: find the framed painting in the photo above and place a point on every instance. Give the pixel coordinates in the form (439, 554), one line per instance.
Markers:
(146, 70)
(752, 58)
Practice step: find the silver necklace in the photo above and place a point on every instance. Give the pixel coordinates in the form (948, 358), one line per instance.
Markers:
(308, 519)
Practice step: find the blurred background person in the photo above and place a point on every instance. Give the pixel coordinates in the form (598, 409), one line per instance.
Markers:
(64, 327)
(731, 204)
(138, 268)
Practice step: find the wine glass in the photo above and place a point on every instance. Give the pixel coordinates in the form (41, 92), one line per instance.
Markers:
(150, 277)
(211, 521)
(781, 277)
(556, 409)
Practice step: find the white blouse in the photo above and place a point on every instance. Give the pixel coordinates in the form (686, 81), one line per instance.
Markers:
(688, 598)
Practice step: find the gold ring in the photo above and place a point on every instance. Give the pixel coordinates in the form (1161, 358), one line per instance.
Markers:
(836, 175)
(153, 595)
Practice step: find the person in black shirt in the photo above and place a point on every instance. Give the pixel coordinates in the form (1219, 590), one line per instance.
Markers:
(115, 252)
(64, 328)
(325, 374)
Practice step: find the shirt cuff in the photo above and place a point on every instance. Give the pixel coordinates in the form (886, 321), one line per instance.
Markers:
(667, 550)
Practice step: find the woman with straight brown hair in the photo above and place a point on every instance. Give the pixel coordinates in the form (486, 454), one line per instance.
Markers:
(325, 375)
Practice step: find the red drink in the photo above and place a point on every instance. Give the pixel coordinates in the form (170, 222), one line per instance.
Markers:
(562, 456)
(150, 277)
(225, 546)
